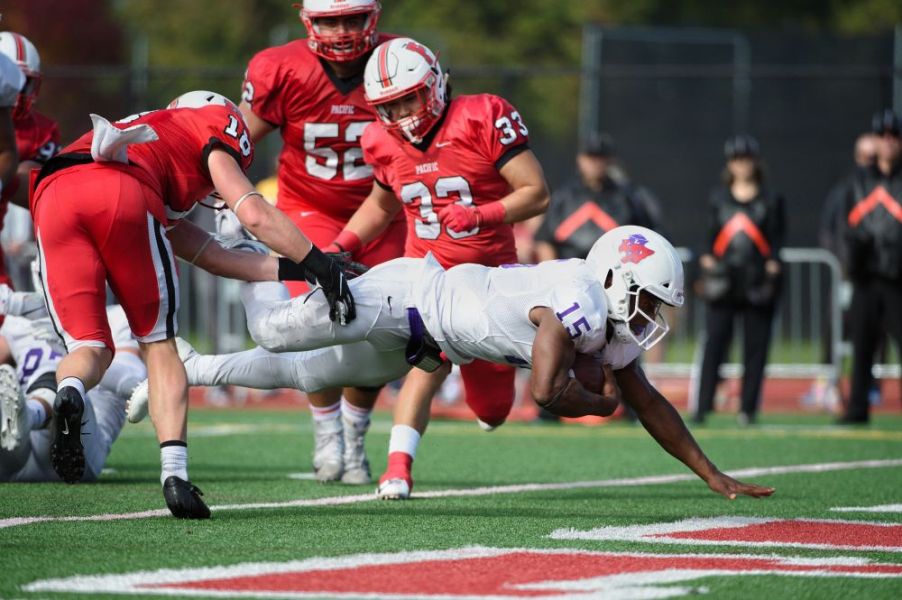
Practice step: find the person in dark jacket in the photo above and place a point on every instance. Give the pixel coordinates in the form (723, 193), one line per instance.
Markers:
(740, 273)
(596, 201)
(873, 235)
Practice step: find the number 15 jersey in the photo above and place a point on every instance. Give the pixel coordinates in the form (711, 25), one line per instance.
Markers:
(458, 162)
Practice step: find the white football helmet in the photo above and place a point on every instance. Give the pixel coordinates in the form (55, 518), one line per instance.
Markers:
(629, 260)
(400, 67)
(22, 52)
(346, 46)
(199, 98)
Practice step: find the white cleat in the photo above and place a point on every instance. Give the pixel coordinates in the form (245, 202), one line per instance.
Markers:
(13, 428)
(356, 465)
(485, 426)
(393, 489)
(136, 405)
(328, 453)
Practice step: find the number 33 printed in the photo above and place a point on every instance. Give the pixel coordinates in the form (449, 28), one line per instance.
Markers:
(508, 134)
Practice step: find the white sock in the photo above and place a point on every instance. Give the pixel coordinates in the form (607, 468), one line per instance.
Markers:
(359, 417)
(37, 414)
(404, 439)
(326, 413)
(124, 374)
(174, 461)
(73, 382)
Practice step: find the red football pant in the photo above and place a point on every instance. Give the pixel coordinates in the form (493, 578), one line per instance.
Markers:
(322, 231)
(489, 390)
(95, 224)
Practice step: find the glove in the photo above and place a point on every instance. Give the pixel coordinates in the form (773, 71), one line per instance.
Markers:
(350, 267)
(329, 276)
(465, 218)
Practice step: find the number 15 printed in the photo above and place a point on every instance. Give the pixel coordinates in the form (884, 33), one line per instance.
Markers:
(579, 326)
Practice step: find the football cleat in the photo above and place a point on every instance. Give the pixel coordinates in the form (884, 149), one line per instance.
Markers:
(486, 427)
(328, 453)
(393, 489)
(13, 427)
(356, 464)
(184, 500)
(66, 452)
(136, 405)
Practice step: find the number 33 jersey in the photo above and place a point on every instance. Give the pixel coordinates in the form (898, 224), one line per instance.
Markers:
(458, 162)
(479, 312)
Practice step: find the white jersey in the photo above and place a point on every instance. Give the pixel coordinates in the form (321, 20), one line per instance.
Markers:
(34, 349)
(481, 312)
(11, 82)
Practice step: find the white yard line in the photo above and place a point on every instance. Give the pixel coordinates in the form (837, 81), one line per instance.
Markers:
(479, 491)
(881, 508)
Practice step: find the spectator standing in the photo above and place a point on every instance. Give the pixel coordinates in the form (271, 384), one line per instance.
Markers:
(740, 273)
(873, 235)
(595, 201)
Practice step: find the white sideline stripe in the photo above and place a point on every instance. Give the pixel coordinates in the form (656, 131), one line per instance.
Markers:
(881, 508)
(480, 491)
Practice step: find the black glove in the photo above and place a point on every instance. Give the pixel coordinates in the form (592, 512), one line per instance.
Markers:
(321, 270)
(350, 267)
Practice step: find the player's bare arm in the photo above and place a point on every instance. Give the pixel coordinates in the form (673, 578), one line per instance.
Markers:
(196, 246)
(369, 221)
(272, 227)
(553, 354)
(256, 127)
(664, 424)
(9, 157)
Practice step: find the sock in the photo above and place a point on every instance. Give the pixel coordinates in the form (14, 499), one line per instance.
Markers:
(37, 414)
(404, 439)
(356, 416)
(326, 413)
(124, 374)
(73, 382)
(174, 460)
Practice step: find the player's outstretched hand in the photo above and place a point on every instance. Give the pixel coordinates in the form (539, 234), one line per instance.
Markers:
(351, 267)
(331, 278)
(730, 488)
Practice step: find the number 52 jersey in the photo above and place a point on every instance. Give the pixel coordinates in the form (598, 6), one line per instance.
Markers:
(458, 162)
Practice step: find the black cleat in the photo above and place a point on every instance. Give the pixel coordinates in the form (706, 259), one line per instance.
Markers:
(66, 453)
(183, 499)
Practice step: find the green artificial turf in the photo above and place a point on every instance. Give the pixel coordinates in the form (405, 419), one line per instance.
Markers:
(241, 457)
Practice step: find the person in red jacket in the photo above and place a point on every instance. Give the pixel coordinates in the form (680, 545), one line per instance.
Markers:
(108, 209)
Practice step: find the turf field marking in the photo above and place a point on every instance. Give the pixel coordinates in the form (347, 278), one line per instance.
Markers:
(481, 491)
(882, 508)
(491, 573)
(815, 534)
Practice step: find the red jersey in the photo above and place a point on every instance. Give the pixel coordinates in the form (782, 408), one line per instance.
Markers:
(175, 165)
(321, 117)
(459, 161)
(37, 137)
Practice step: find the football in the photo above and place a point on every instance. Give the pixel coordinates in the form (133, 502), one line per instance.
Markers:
(587, 370)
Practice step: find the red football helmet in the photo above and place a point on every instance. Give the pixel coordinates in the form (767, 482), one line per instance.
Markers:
(400, 67)
(22, 52)
(341, 47)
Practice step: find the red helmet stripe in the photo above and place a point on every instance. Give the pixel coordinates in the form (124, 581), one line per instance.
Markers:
(20, 48)
(384, 77)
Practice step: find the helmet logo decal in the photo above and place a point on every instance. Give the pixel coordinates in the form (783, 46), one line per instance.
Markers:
(419, 49)
(634, 249)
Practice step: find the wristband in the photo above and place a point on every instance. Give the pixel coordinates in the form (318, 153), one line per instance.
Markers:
(245, 197)
(348, 241)
(291, 271)
(491, 214)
